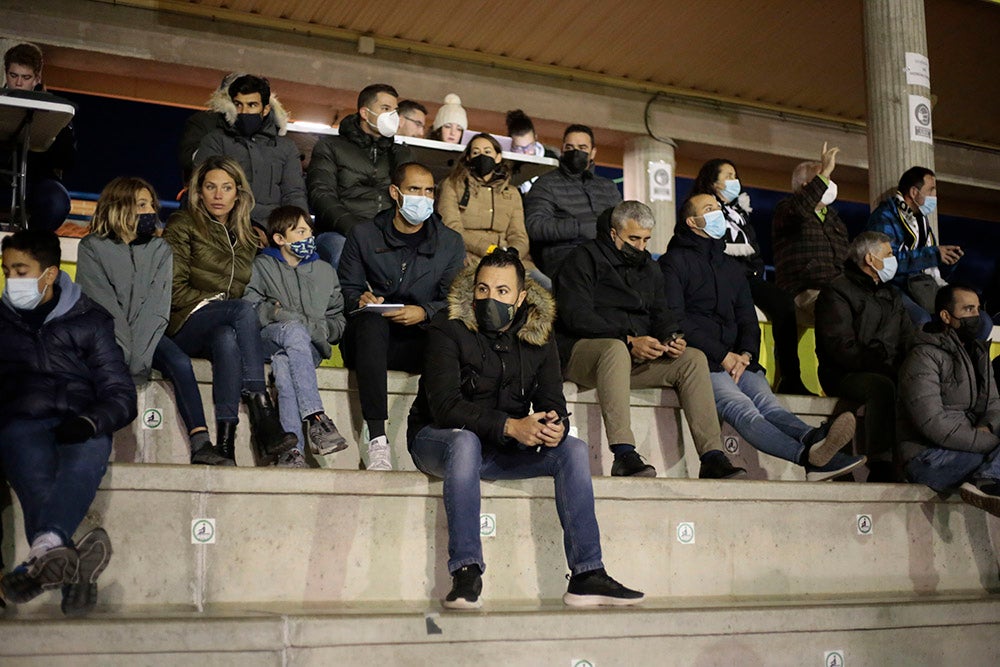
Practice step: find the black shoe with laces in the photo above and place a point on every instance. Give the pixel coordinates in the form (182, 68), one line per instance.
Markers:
(596, 588)
(631, 464)
(208, 455)
(715, 465)
(466, 585)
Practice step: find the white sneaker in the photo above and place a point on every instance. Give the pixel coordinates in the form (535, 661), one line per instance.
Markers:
(379, 456)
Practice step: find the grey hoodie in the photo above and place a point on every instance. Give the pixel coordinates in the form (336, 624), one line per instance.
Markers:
(940, 404)
(133, 283)
(308, 293)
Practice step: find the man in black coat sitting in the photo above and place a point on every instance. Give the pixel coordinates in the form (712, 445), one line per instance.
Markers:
(64, 389)
(491, 406)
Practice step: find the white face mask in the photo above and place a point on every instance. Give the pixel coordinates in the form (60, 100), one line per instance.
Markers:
(830, 195)
(386, 123)
(24, 293)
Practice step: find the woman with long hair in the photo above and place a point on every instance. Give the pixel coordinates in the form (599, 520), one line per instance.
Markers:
(214, 247)
(124, 266)
(478, 201)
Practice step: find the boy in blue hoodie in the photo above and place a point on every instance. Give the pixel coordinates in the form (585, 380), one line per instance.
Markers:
(301, 311)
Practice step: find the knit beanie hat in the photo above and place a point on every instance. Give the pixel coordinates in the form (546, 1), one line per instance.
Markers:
(451, 112)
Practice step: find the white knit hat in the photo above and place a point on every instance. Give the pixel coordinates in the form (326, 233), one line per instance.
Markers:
(451, 112)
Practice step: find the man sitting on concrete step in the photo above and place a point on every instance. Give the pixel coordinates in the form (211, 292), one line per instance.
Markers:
(64, 390)
(616, 333)
(491, 406)
(949, 406)
(710, 296)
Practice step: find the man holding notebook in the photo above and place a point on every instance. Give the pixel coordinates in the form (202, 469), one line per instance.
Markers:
(395, 273)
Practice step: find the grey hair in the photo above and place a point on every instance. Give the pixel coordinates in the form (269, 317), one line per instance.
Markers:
(864, 243)
(632, 210)
(803, 173)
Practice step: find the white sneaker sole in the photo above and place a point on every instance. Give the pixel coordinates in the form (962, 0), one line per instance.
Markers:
(574, 600)
(461, 603)
(94, 551)
(826, 476)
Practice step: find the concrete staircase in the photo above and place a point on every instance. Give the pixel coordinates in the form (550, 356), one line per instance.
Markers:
(340, 566)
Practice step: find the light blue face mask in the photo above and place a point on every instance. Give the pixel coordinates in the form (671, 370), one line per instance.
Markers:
(416, 209)
(715, 224)
(930, 203)
(888, 270)
(732, 190)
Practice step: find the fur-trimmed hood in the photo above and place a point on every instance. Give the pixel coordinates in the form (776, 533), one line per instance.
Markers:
(220, 102)
(538, 319)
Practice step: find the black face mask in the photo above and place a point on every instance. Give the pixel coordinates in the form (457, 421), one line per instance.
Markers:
(968, 329)
(631, 255)
(481, 165)
(248, 124)
(574, 161)
(493, 315)
(146, 227)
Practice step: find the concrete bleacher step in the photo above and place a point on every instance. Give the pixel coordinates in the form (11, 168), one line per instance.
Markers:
(661, 430)
(941, 631)
(319, 536)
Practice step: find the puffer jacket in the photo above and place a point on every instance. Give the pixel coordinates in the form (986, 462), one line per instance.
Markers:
(560, 212)
(207, 263)
(941, 401)
(600, 296)
(349, 175)
(475, 381)
(70, 367)
(132, 282)
(492, 215)
(894, 218)
(375, 260)
(269, 159)
(308, 293)
(861, 327)
(708, 293)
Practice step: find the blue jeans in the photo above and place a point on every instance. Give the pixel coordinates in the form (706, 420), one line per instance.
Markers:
(945, 469)
(228, 334)
(293, 362)
(457, 456)
(755, 413)
(330, 245)
(175, 366)
(55, 483)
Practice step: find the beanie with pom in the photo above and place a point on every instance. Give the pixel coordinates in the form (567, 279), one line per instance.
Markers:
(451, 112)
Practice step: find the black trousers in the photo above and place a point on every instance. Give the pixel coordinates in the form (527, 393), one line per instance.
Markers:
(372, 346)
(878, 394)
(779, 306)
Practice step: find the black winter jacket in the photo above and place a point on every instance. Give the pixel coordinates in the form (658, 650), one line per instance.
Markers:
(475, 380)
(708, 293)
(599, 296)
(861, 327)
(560, 213)
(71, 366)
(348, 176)
(373, 258)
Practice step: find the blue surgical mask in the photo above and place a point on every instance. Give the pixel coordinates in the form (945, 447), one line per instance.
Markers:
(732, 190)
(23, 293)
(715, 224)
(930, 203)
(303, 249)
(888, 270)
(416, 209)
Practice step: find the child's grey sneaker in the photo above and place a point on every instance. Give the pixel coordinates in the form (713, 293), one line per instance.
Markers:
(324, 438)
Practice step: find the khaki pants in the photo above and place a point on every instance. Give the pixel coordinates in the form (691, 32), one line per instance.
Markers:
(605, 363)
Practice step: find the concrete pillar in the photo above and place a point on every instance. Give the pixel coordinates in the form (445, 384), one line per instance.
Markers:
(649, 167)
(898, 92)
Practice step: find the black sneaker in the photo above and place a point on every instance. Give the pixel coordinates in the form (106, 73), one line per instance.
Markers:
(715, 465)
(33, 577)
(826, 440)
(208, 455)
(80, 596)
(466, 585)
(631, 465)
(840, 464)
(597, 588)
(985, 496)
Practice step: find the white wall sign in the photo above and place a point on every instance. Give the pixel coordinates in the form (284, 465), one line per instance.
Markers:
(488, 525)
(661, 181)
(833, 659)
(920, 119)
(864, 524)
(685, 532)
(152, 418)
(918, 70)
(203, 531)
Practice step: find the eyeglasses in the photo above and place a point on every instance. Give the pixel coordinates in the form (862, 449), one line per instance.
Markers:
(418, 123)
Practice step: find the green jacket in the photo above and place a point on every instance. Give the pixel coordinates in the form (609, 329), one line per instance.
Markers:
(206, 264)
(308, 293)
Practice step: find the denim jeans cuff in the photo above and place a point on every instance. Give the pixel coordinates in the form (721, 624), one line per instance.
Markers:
(455, 567)
(587, 567)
